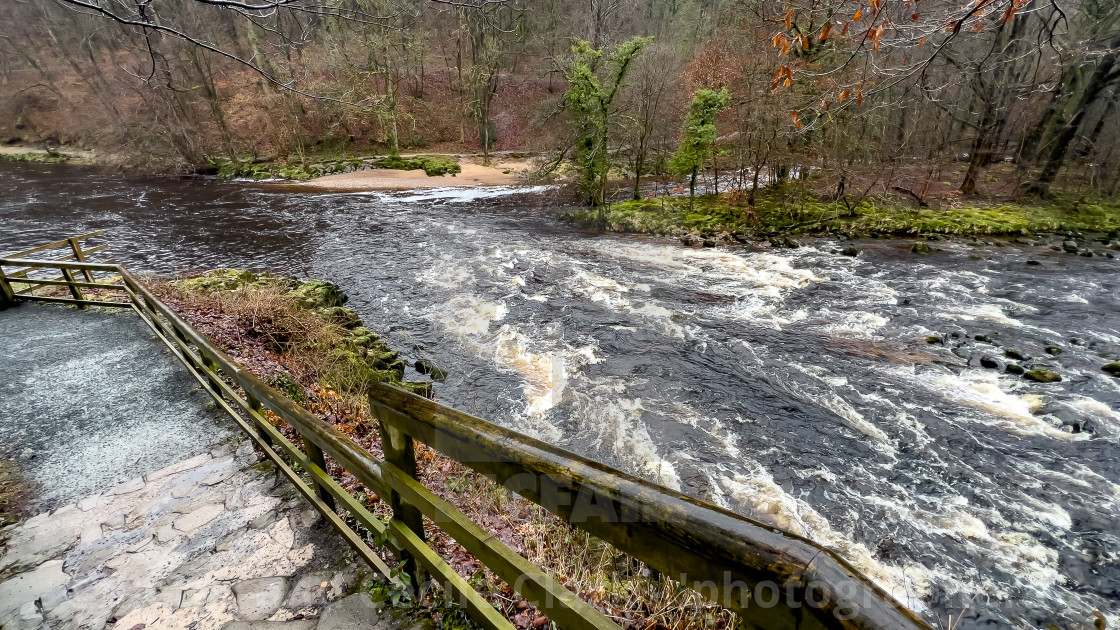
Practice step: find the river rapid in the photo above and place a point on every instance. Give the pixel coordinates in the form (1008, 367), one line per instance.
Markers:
(794, 386)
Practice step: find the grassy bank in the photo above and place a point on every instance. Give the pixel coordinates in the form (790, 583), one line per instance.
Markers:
(299, 338)
(433, 165)
(776, 212)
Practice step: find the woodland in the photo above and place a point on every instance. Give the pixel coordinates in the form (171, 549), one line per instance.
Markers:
(925, 100)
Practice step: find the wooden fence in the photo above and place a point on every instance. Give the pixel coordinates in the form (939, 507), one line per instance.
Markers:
(772, 579)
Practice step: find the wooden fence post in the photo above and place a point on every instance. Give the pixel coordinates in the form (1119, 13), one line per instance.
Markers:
(80, 256)
(74, 290)
(7, 295)
(400, 452)
(315, 455)
(256, 406)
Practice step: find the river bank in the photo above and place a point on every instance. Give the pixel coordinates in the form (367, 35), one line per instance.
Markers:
(778, 215)
(41, 155)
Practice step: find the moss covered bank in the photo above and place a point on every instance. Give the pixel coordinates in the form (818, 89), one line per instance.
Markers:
(730, 217)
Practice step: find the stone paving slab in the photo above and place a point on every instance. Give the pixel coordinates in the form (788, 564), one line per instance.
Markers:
(215, 541)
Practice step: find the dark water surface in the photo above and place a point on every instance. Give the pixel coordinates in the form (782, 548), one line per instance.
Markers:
(793, 386)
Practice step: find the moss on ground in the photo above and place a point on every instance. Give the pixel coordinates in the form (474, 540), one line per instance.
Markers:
(725, 215)
(433, 165)
(306, 322)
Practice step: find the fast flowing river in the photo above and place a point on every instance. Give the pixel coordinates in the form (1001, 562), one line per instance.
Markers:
(793, 386)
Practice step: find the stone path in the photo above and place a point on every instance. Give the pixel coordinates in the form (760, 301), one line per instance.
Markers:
(215, 541)
(152, 513)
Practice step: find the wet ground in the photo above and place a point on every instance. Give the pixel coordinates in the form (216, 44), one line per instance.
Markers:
(90, 398)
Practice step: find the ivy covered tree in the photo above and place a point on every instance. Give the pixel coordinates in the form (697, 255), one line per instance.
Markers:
(589, 99)
(699, 135)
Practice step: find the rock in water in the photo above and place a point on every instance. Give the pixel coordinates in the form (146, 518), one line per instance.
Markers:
(920, 248)
(1112, 368)
(1013, 368)
(989, 363)
(850, 251)
(1042, 376)
(431, 370)
(1070, 246)
(1053, 350)
(1014, 354)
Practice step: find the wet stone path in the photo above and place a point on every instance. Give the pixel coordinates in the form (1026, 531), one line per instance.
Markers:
(215, 539)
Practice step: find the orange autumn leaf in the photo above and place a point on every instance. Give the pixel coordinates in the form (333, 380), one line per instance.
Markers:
(844, 95)
(844, 31)
(825, 31)
(859, 98)
(857, 16)
(789, 18)
(804, 42)
(921, 41)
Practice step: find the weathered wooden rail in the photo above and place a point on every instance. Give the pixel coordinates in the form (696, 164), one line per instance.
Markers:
(770, 578)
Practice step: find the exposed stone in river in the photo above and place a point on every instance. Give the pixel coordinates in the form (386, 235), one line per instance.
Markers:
(1042, 376)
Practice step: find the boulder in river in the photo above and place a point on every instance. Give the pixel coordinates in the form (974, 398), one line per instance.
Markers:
(431, 370)
(1112, 368)
(934, 339)
(1033, 263)
(1014, 354)
(850, 251)
(989, 362)
(1070, 246)
(1053, 350)
(1014, 368)
(1042, 376)
(921, 248)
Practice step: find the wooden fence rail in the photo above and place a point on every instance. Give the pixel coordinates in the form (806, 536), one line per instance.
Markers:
(772, 579)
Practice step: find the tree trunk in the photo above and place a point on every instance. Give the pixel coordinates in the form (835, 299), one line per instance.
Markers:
(1102, 77)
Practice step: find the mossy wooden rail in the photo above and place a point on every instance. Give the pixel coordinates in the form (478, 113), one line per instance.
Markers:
(772, 579)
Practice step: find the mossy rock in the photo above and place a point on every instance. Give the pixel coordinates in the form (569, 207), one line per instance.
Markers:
(229, 280)
(921, 248)
(1042, 376)
(1112, 368)
(318, 294)
(1053, 350)
(1014, 368)
(345, 317)
(431, 370)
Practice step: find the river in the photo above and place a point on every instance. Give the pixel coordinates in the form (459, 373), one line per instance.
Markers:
(795, 386)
